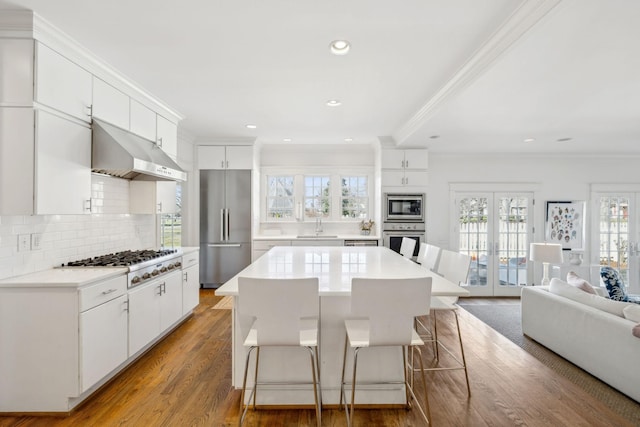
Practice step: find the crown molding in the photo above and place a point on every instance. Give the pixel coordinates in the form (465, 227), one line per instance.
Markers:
(528, 14)
(16, 24)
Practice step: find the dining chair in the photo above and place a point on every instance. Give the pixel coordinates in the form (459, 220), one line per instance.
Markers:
(431, 257)
(407, 247)
(280, 313)
(422, 253)
(454, 267)
(380, 318)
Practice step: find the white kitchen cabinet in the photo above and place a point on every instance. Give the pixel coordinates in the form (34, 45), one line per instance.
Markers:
(109, 104)
(143, 120)
(317, 242)
(16, 72)
(190, 281)
(225, 157)
(16, 161)
(261, 247)
(62, 165)
(104, 340)
(153, 308)
(62, 84)
(152, 197)
(402, 168)
(167, 136)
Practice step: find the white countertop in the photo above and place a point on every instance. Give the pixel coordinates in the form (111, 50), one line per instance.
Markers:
(72, 277)
(189, 249)
(319, 237)
(335, 266)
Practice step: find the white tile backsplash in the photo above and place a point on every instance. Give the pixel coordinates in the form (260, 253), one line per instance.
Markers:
(69, 237)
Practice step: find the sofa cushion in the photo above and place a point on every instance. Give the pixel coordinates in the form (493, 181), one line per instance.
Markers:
(566, 290)
(579, 282)
(632, 312)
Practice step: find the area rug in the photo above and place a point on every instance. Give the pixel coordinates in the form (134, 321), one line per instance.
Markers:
(506, 319)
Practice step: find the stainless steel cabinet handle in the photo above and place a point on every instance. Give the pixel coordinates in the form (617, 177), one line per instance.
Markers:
(159, 142)
(160, 207)
(89, 110)
(126, 305)
(406, 163)
(402, 164)
(112, 290)
(87, 205)
(186, 276)
(160, 290)
(222, 164)
(227, 164)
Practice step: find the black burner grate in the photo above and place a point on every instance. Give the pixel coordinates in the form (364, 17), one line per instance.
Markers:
(121, 259)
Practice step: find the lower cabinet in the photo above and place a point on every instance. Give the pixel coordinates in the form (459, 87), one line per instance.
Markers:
(190, 281)
(153, 307)
(103, 340)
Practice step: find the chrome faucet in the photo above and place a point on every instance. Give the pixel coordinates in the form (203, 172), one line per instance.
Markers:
(318, 225)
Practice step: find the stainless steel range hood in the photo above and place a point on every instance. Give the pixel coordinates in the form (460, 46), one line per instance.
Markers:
(120, 153)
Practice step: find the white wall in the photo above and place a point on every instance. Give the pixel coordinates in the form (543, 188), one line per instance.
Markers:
(555, 177)
(190, 211)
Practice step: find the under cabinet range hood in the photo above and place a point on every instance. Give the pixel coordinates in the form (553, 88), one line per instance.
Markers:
(118, 152)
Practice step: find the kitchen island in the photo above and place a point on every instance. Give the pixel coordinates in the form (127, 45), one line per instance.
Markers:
(334, 267)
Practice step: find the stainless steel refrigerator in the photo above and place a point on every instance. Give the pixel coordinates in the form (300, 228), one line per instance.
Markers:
(225, 225)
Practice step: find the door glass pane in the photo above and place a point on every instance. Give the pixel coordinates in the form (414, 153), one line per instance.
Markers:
(513, 217)
(614, 234)
(472, 220)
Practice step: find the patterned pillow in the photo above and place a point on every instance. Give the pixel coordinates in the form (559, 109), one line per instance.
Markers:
(615, 286)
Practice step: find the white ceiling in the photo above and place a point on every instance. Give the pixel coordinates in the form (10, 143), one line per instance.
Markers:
(482, 75)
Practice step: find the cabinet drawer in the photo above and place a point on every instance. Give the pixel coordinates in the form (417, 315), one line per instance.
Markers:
(102, 292)
(190, 259)
(265, 245)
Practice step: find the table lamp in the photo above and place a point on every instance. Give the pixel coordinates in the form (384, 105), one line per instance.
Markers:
(546, 253)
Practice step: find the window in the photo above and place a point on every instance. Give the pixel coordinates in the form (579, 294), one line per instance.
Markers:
(355, 197)
(280, 197)
(317, 197)
(171, 224)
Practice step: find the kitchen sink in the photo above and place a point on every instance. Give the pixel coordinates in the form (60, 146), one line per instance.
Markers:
(316, 236)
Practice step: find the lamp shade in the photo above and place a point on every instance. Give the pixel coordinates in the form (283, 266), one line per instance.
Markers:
(546, 252)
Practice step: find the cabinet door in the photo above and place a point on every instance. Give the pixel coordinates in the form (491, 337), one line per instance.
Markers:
(211, 157)
(391, 177)
(61, 84)
(392, 159)
(143, 121)
(63, 165)
(190, 288)
(16, 161)
(167, 136)
(144, 315)
(239, 157)
(417, 178)
(416, 159)
(16, 72)
(152, 197)
(171, 300)
(103, 340)
(109, 104)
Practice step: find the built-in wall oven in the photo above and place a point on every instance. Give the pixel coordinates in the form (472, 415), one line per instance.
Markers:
(393, 233)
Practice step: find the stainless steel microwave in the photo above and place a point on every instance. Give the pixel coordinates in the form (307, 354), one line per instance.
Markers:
(404, 207)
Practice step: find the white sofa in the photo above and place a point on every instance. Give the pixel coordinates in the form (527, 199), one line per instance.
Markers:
(596, 340)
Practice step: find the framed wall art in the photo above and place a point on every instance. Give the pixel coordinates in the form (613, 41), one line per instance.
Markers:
(565, 224)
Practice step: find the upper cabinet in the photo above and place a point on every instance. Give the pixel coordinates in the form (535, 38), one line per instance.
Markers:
(401, 168)
(225, 157)
(109, 104)
(61, 84)
(167, 136)
(152, 197)
(16, 72)
(143, 120)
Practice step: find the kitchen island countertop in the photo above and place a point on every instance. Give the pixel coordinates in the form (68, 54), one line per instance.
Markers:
(73, 277)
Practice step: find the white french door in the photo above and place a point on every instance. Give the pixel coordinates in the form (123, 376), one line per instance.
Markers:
(616, 222)
(495, 229)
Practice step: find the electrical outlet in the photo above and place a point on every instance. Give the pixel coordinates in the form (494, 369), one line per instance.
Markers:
(36, 241)
(24, 242)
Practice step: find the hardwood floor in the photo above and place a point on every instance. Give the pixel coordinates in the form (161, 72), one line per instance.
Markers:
(186, 381)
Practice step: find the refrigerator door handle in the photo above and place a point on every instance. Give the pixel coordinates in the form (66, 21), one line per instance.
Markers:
(228, 226)
(222, 227)
(224, 245)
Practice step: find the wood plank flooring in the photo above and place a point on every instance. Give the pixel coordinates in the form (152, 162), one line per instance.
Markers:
(186, 381)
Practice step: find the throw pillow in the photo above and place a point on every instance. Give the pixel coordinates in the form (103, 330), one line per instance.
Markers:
(614, 284)
(632, 312)
(636, 330)
(579, 282)
(568, 291)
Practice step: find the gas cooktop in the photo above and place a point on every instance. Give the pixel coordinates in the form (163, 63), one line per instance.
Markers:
(123, 259)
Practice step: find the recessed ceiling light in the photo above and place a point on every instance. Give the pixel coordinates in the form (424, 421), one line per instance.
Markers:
(287, 139)
(334, 103)
(529, 140)
(339, 47)
(564, 139)
(250, 126)
(348, 140)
